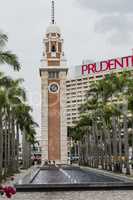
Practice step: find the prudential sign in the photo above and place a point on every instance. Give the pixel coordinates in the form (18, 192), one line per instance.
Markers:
(108, 66)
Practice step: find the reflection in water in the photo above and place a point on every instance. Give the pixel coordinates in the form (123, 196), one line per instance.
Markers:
(67, 176)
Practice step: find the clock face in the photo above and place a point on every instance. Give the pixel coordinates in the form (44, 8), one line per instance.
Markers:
(53, 87)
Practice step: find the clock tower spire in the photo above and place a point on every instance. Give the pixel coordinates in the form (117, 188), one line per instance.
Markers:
(53, 74)
(53, 13)
(53, 54)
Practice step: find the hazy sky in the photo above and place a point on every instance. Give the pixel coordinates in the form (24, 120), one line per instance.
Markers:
(92, 29)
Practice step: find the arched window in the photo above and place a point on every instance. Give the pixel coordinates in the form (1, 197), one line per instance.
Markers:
(53, 49)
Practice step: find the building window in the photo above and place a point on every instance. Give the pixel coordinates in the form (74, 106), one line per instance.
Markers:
(53, 49)
(53, 75)
(73, 118)
(73, 113)
(74, 101)
(53, 34)
(47, 47)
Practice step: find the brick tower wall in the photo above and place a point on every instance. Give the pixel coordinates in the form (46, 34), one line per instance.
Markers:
(54, 124)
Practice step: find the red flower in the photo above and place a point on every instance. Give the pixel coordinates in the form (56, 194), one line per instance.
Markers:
(13, 191)
(9, 191)
(8, 195)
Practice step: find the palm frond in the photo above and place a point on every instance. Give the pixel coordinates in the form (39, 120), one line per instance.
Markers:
(3, 40)
(9, 58)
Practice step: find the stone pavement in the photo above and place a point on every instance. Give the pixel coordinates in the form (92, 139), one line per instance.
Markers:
(84, 195)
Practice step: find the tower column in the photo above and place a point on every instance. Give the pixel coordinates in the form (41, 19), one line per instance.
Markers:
(63, 117)
(44, 115)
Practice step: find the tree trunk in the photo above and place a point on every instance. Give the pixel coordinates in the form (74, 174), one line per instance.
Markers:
(9, 172)
(110, 153)
(115, 154)
(13, 146)
(1, 147)
(26, 152)
(17, 147)
(120, 148)
(6, 148)
(126, 144)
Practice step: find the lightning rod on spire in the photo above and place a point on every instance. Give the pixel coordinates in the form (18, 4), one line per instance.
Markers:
(53, 12)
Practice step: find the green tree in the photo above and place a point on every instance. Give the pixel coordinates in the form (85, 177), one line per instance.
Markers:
(7, 57)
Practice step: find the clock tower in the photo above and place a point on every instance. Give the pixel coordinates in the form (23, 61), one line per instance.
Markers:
(53, 74)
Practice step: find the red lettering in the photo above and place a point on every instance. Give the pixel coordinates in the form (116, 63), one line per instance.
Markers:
(104, 65)
(84, 69)
(107, 65)
(126, 61)
(132, 60)
(131, 57)
(119, 63)
(98, 68)
(111, 64)
(91, 68)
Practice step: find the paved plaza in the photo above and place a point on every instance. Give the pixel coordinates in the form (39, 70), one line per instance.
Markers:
(84, 195)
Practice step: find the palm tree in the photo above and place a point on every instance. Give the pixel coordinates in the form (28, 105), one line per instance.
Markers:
(27, 127)
(3, 135)
(7, 57)
(108, 119)
(2, 103)
(15, 115)
(15, 96)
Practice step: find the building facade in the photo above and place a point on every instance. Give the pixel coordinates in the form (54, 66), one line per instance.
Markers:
(53, 75)
(84, 75)
(76, 91)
